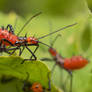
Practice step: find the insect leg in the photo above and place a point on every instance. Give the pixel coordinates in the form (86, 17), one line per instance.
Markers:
(14, 49)
(25, 83)
(18, 47)
(19, 43)
(7, 42)
(5, 49)
(35, 58)
(2, 47)
(34, 51)
(46, 59)
(8, 52)
(11, 28)
(32, 54)
(49, 82)
(21, 51)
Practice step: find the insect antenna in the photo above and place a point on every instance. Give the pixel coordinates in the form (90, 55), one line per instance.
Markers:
(28, 22)
(59, 35)
(50, 30)
(57, 30)
(15, 22)
(44, 44)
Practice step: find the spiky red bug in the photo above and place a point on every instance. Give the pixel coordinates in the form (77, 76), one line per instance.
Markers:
(73, 63)
(69, 64)
(8, 38)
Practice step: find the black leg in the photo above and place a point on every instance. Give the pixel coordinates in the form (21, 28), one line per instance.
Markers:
(35, 58)
(35, 51)
(26, 83)
(32, 54)
(8, 42)
(49, 82)
(21, 51)
(14, 49)
(8, 52)
(2, 47)
(46, 59)
(9, 49)
(11, 28)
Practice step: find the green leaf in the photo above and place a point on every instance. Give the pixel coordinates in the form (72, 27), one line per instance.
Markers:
(12, 67)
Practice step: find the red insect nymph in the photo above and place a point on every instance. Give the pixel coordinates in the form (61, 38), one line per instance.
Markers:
(53, 52)
(75, 62)
(36, 87)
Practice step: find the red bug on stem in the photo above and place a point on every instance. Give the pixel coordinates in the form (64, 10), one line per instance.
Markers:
(69, 64)
(8, 38)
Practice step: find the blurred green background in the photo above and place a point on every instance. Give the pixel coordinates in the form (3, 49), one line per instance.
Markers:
(56, 14)
(54, 7)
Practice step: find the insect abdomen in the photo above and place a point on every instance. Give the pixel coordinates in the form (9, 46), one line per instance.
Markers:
(74, 63)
